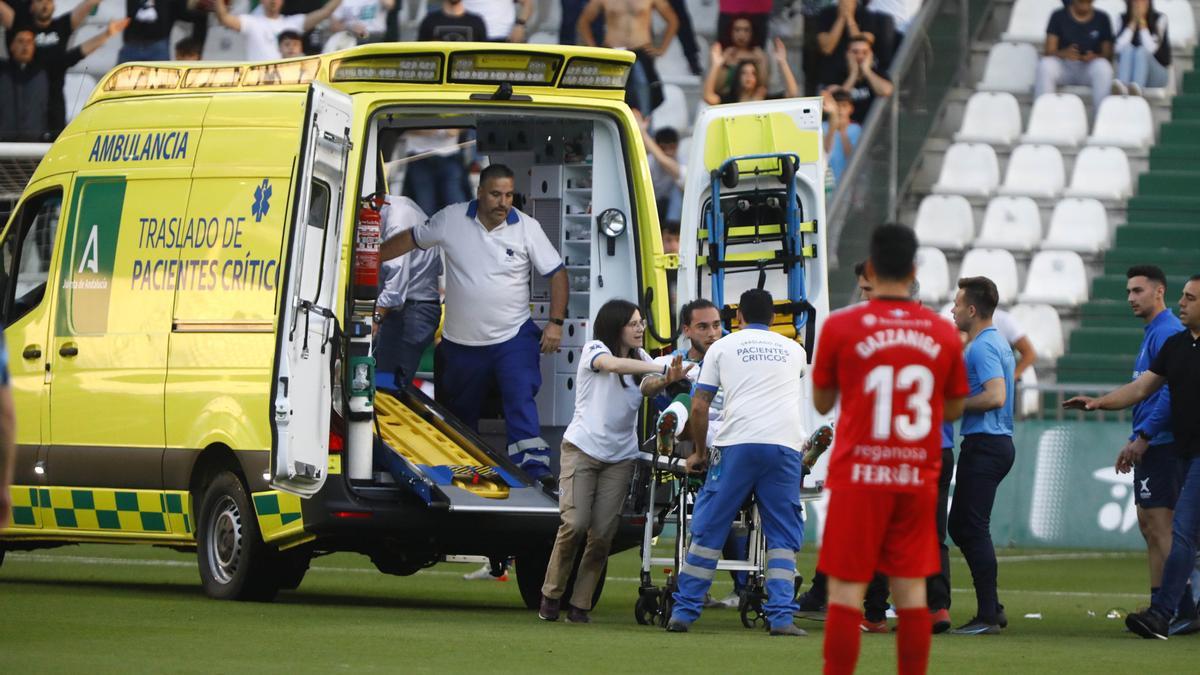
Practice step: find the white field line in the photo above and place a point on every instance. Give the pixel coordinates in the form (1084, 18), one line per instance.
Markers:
(22, 557)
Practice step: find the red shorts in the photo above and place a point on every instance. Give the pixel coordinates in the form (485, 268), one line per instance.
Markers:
(877, 530)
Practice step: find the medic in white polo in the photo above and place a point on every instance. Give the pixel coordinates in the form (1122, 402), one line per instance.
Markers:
(488, 336)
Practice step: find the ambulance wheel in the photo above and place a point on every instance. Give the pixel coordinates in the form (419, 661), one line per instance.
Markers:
(531, 574)
(235, 564)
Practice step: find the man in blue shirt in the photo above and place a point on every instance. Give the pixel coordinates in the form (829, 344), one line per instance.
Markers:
(1150, 453)
(987, 452)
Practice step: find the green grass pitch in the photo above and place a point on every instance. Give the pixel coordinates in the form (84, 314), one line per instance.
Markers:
(101, 609)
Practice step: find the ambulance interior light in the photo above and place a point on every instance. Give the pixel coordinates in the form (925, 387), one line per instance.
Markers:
(595, 74)
(515, 68)
(413, 68)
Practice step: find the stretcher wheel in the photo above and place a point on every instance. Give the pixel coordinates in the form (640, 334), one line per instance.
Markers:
(750, 608)
(645, 610)
(729, 177)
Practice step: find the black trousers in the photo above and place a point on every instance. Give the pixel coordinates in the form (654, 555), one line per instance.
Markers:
(937, 587)
(984, 461)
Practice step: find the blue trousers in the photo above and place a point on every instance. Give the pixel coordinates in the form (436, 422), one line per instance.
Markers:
(145, 51)
(772, 473)
(466, 374)
(436, 182)
(404, 335)
(1185, 529)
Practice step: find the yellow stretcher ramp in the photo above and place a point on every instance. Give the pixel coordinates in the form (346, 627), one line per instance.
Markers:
(445, 462)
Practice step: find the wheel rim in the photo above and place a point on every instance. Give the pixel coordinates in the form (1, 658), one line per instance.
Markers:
(224, 540)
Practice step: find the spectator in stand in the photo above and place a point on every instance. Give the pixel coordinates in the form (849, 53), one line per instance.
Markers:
(148, 37)
(841, 132)
(571, 9)
(363, 18)
(291, 44)
(505, 23)
(1143, 49)
(839, 26)
(262, 32)
(740, 46)
(188, 49)
(629, 27)
(50, 36)
(1079, 45)
(749, 84)
(452, 23)
(666, 172)
(687, 37)
(863, 79)
(758, 12)
(436, 173)
(26, 83)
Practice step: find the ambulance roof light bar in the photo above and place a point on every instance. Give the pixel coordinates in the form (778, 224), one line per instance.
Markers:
(516, 68)
(407, 68)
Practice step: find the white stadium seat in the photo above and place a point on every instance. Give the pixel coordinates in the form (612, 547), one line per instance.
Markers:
(1043, 327)
(1124, 122)
(1057, 119)
(933, 275)
(969, 169)
(995, 264)
(1034, 171)
(1181, 22)
(1028, 19)
(1056, 278)
(1011, 67)
(991, 117)
(946, 222)
(1011, 223)
(673, 112)
(1101, 172)
(1079, 225)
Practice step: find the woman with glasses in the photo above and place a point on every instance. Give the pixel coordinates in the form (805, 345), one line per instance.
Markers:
(598, 450)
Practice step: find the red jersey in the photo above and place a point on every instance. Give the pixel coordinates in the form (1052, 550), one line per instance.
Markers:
(894, 363)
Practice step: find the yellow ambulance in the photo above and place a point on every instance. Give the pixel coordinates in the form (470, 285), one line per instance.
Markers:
(188, 356)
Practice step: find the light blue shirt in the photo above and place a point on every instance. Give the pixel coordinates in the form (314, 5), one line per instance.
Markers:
(988, 357)
(837, 157)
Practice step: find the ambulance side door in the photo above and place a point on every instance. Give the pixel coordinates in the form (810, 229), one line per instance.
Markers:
(26, 262)
(301, 386)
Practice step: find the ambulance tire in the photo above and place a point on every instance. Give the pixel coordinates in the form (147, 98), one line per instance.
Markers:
(531, 574)
(235, 564)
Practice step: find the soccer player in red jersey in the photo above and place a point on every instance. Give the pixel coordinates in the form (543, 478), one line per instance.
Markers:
(898, 369)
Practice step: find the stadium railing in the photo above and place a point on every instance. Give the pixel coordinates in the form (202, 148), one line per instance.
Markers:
(1052, 396)
(934, 54)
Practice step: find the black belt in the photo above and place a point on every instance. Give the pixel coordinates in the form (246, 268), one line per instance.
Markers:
(423, 302)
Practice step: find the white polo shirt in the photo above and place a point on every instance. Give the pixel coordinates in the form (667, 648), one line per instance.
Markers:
(760, 374)
(487, 273)
(407, 277)
(605, 421)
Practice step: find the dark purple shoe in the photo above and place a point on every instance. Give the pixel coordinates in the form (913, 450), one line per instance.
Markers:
(548, 610)
(576, 615)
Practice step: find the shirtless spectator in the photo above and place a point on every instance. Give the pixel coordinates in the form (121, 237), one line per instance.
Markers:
(1079, 46)
(847, 21)
(262, 32)
(627, 25)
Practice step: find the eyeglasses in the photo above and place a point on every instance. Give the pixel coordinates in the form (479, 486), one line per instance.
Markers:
(636, 323)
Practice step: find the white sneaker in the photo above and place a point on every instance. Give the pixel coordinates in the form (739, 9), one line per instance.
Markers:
(1135, 89)
(482, 574)
(1119, 88)
(727, 602)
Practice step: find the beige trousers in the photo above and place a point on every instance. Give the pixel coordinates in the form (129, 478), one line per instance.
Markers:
(590, 503)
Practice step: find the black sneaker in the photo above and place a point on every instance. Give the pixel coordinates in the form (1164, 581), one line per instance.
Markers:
(810, 607)
(1149, 624)
(677, 626)
(548, 610)
(977, 627)
(576, 615)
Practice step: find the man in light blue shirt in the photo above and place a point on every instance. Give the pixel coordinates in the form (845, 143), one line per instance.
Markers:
(987, 452)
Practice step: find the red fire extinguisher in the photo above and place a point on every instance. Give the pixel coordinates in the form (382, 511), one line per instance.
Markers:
(367, 239)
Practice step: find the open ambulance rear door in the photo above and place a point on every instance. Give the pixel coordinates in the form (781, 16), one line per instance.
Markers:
(754, 209)
(301, 388)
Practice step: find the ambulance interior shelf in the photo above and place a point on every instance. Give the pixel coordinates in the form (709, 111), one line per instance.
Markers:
(760, 228)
